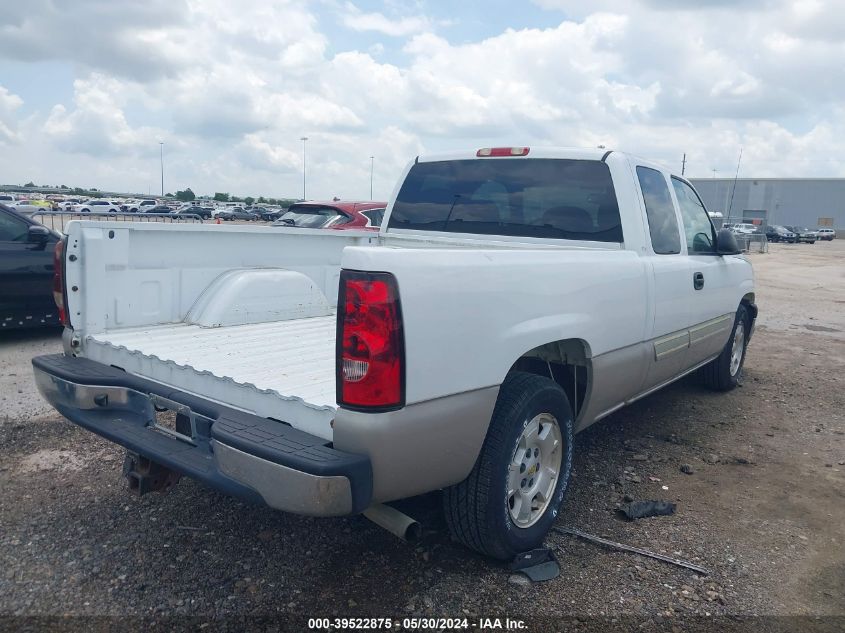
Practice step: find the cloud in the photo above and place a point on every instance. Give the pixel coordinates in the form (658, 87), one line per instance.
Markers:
(353, 18)
(257, 153)
(9, 104)
(118, 38)
(231, 87)
(97, 125)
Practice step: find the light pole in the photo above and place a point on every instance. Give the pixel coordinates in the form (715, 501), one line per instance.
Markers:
(161, 159)
(303, 139)
(372, 158)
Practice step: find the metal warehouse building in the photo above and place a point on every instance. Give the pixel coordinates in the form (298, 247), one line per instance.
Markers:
(810, 202)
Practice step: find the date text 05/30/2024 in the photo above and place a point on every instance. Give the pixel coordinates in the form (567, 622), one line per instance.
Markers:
(416, 624)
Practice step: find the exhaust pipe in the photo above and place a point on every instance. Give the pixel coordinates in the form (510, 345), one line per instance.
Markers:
(394, 521)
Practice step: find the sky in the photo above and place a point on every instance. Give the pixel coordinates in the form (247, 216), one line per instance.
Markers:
(90, 88)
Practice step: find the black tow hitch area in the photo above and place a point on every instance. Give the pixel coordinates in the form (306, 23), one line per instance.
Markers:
(144, 475)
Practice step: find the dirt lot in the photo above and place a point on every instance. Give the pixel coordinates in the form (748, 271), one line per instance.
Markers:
(764, 508)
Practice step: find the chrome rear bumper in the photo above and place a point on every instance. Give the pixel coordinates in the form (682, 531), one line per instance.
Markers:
(256, 459)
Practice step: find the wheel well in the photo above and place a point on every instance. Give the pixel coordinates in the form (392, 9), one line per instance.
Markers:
(750, 305)
(567, 362)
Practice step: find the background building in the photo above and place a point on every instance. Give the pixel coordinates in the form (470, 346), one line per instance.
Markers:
(810, 202)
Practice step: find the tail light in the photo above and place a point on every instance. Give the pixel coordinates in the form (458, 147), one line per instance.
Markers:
(370, 342)
(59, 280)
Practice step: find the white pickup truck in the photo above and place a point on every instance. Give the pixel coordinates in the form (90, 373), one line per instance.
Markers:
(512, 297)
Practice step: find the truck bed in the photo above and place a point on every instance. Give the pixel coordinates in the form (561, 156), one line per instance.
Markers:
(283, 370)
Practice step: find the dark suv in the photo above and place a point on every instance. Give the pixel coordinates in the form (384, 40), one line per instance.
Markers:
(775, 233)
(203, 212)
(803, 234)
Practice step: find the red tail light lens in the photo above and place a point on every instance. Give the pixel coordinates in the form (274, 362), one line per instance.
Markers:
(59, 280)
(370, 342)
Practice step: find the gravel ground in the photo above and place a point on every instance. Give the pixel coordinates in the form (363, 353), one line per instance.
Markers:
(763, 508)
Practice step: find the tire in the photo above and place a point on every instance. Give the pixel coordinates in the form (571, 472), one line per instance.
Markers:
(724, 372)
(480, 510)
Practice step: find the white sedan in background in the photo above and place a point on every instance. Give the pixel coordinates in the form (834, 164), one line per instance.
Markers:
(96, 206)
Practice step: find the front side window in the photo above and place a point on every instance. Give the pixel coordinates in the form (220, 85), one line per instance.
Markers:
(662, 221)
(543, 198)
(697, 225)
(12, 229)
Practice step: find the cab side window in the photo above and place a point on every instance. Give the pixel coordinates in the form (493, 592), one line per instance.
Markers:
(12, 229)
(662, 221)
(697, 225)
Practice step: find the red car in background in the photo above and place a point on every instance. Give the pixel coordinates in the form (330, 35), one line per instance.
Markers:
(334, 215)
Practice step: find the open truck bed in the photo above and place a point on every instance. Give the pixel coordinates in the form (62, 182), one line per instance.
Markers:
(256, 367)
(243, 316)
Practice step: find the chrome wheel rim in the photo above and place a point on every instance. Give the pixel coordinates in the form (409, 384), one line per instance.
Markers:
(737, 347)
(534, 470)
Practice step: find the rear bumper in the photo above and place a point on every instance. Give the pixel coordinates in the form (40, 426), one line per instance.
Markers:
(243, 455)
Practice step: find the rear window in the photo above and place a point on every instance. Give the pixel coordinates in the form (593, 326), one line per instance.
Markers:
(375, 216)
(311, 217)
(547, 198)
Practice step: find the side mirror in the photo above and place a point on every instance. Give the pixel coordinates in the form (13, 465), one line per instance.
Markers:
(726, 243)
(37, 234)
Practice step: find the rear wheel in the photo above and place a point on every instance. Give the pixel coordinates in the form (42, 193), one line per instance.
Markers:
(725, 371)
(513, 494)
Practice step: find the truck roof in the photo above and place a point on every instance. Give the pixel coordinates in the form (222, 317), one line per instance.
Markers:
(572, 153)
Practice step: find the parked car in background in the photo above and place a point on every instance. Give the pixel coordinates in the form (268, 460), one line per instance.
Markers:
(26, 271)
(97, 205)
(159, 208)
(29, 207)
(204, 213)
(69, 204)
(775, 233)
(134, 206)
(270, 214)
(333, 215)
(803, 234)
(826, 234)
(743, 228)
(7, 198)
(237, 213)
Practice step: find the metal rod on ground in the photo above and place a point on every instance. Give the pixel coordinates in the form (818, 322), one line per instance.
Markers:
(635, 550)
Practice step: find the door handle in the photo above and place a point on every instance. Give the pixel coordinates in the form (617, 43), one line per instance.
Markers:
(698, 281)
